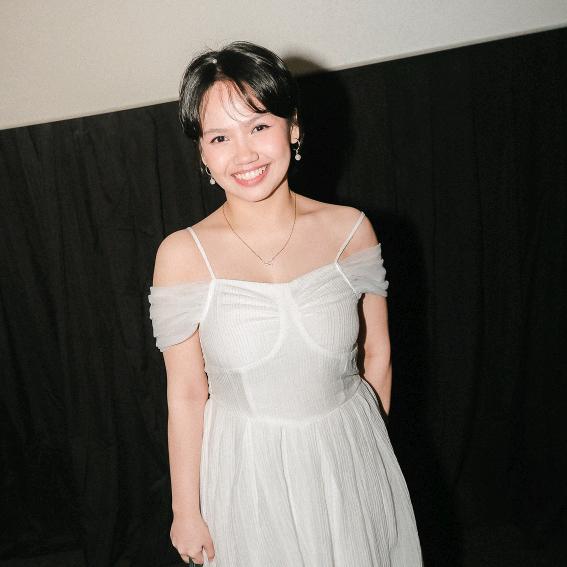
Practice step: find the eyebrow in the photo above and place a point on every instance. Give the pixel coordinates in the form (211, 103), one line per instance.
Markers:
(246, 123)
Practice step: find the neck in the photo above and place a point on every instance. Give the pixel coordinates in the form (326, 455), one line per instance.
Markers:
(272, 214)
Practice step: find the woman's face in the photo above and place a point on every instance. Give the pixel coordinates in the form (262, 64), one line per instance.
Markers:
(247, 153)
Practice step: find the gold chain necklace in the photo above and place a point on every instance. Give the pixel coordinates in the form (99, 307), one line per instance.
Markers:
(271, 260)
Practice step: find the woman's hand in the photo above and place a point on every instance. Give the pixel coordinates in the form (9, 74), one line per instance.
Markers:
(189, 535)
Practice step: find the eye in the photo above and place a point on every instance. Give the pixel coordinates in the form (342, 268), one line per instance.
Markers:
(260, 127)
(218, 139)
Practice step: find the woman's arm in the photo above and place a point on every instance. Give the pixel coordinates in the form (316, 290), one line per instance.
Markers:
(187, 393)
(376, 359)
(177, 261)
(374, 339)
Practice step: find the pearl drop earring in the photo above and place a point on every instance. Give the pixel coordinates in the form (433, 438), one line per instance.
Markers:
(297, 154)
(211, 180)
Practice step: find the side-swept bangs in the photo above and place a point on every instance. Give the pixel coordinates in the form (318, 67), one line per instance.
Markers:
(254, 71)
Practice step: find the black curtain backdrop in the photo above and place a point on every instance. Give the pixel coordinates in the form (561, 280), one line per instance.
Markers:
(459, 159)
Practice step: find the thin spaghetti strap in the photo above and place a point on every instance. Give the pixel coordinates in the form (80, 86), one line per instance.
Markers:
(347, 240)
(202, 251)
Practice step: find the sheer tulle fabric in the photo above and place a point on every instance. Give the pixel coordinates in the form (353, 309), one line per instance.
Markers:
(176, 310)
(365, 271)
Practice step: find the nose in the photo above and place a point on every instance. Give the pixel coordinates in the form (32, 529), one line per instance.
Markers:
(245, 152)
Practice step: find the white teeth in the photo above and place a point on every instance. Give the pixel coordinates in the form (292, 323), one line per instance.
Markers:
(250, 174)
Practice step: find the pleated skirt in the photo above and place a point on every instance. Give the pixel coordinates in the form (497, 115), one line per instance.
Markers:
(326, 492)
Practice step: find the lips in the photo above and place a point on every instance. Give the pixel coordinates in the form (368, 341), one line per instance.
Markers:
(249, 175)
(252, 176)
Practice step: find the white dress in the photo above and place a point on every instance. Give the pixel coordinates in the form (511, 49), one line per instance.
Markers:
(297, 468)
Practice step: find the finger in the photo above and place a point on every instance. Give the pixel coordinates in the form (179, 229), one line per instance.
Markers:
(210, 550)
(185, 558)
(198, 558)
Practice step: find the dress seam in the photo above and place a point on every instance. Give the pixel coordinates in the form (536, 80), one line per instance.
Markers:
(292, 422)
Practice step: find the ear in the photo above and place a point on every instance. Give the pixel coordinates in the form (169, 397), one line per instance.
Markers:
(294, 133)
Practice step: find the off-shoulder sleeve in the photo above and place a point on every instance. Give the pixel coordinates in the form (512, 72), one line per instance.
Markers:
(365, 271)
(176, 311)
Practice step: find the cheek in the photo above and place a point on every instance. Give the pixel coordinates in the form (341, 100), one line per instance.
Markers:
(213, 157)
(278, 146)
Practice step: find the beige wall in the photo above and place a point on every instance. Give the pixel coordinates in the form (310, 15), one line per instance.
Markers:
(67, 58)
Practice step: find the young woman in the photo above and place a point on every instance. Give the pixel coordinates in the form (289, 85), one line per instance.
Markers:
(279, 454)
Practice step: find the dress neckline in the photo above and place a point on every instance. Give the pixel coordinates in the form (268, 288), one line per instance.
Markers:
(296, 279)
(335, 264)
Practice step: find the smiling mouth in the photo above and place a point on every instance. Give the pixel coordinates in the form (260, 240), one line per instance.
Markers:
(251, 174)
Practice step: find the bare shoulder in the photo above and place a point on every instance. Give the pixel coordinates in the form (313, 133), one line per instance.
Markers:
(364, 236)
(178, 260)
(342, 219)
(329, 214)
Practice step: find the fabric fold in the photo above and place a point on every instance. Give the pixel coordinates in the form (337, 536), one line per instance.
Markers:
(176, 311)
(365, 271)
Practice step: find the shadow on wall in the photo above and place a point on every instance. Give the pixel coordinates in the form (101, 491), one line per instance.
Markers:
(325, 115)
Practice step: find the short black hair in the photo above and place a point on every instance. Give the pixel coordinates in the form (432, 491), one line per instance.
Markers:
(248, 67)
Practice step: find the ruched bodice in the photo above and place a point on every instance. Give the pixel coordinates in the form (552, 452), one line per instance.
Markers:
(280, 356)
